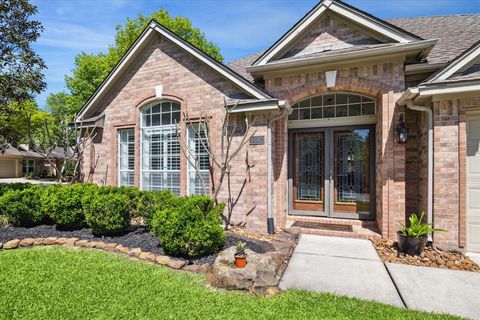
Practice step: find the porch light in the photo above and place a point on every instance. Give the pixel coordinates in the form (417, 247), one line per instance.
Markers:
(402, 131)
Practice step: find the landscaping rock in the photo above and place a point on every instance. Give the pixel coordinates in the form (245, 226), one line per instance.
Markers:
(12, 244)
(147, 256)
(61, 241)
(27, 242)
(197, 268)
(176, 263)
(70, 242)
(122, 249)
(38, 242)
(135, 252)
(430, 257)
(260, 271)
(81, 243)
(110, 246)
(49, 241)
(169, 262)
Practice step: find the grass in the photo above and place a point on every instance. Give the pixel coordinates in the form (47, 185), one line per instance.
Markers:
(59, 283)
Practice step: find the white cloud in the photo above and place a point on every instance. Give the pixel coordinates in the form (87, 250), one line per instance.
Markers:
(73, 36)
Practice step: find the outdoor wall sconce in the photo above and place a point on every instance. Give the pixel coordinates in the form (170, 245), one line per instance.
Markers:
(402, 131)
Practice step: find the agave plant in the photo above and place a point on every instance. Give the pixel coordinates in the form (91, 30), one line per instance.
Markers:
(240, 248)
(417, 229)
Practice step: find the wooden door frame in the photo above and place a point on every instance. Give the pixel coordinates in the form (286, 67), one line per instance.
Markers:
(329, 183)
(308, 205)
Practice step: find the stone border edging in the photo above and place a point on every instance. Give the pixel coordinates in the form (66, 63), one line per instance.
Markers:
(136, 253)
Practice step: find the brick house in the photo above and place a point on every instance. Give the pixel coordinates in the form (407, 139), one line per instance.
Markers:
(332, 100)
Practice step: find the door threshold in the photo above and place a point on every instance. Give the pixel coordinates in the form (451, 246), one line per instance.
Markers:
(323, 226)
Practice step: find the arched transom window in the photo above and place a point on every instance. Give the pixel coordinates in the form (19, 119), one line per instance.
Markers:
(160, 148)
(333, 105)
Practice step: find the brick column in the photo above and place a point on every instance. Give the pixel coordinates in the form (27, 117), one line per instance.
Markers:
(390, 168)
(446, 172)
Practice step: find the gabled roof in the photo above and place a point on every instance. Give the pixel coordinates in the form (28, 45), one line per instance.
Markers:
(369, 22)
(155, 28)
(454, 71)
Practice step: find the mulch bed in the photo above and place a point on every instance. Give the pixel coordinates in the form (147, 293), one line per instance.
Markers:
(431, 257)
(136, 237)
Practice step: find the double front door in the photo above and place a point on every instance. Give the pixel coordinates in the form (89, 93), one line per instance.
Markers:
(332, 172)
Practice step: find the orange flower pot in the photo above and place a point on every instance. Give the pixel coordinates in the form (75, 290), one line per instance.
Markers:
(240, 261)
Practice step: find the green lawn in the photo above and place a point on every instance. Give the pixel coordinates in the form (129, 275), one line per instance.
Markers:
(58, 283)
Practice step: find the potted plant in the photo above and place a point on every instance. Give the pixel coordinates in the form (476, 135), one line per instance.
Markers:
(412, 239)
(240, 255)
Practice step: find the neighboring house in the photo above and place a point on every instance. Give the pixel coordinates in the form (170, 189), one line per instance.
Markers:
(349, 85)
(21, 161)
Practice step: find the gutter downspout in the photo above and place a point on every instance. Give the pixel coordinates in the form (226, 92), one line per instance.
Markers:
(285, 110)
(429, 112)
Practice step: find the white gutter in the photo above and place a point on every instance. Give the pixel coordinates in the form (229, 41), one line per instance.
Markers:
(429, 112)
(285, 111)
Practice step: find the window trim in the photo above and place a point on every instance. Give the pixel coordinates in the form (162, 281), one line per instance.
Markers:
(189, 165)
(143, 126)
(368, 100)
(119, 170)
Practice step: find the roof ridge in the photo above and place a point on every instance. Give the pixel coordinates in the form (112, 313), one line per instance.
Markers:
(435, 16)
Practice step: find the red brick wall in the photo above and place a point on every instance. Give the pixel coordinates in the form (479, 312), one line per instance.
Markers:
(383, 81)
(450, 167)
(200, 91)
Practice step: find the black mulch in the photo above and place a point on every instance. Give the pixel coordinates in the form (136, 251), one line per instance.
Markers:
(138, 237)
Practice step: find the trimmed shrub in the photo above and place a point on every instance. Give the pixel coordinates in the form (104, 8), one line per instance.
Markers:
(23, 207)
(63, 204)
(106, 212)
(4, 187)
(190, 227)
(150, 201)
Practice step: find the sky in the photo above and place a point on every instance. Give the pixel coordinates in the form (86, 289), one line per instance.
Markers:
(238, 27)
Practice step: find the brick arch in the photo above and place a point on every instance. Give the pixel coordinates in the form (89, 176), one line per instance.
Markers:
(371, 88)
(147, 100)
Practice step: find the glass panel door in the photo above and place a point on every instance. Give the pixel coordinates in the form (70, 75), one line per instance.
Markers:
(332, 172)
(308, 177)
(352, 178)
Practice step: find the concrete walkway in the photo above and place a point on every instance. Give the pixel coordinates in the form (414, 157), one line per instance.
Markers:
(351, 267)
(438, 290)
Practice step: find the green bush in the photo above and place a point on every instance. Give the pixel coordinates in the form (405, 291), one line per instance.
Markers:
(106, 212)
(23, 207)
(4, 187)
(150, 201)
(190, 227)
(63, 204)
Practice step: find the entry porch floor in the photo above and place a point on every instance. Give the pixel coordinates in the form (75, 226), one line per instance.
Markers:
(351, 267)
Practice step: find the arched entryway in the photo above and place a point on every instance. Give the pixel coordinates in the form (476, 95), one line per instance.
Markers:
(332, 156)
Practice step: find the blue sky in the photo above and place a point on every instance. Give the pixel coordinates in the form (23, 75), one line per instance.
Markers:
(237, 27)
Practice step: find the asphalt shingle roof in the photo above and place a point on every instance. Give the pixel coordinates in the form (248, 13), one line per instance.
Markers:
(456, 33)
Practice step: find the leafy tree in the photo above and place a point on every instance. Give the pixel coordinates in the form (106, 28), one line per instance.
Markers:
(24, 122)
(91, 69)
(21, 68)
(21, 76)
